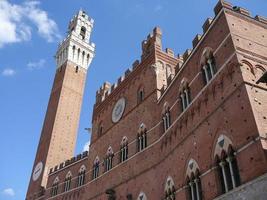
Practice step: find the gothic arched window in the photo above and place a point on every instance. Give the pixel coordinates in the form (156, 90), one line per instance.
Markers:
(67, 182)
(142, 137)
(96, 167)
(228, 172)
(166, 117)
(81, 176)
(193, 181)
(208, 64)
(54, 188)
(185, 94)
(169, 189)
(124, 149)
(109, 159)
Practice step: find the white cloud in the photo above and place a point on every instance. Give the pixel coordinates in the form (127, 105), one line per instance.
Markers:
(86, 146)
(9, 192)
(16, 21)
(8, 72)
(36, 65)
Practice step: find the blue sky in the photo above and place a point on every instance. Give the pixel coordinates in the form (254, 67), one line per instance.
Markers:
(29, 35)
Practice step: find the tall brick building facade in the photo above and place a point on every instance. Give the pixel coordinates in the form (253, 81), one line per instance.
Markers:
(192, 126)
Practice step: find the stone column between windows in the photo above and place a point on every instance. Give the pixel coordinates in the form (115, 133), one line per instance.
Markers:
(206, 73)
(229, 160)
(140, 142)
(183, 101)
(164, 123)
(168, 123)
(211, 67)
(197, 188)
(222, 164)
(192, 190)
(186, 97)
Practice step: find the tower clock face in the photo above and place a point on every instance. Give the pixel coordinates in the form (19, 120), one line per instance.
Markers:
(118, 110)
(37, 171)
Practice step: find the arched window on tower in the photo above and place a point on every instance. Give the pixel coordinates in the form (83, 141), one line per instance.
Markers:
(141, 138)
(185, 94)
(73, 52)
(208, 64)
(83, 32)
(109, 159)
(54, 188)
(169, 189)
(193, 181)
(81, 176)
(166, 117)
(226, 162)
(96, 167)
(76, 69)
(78, 56)
(67, 183)
(140, 95)
(83, 57)
(100, 129)
(124, 149)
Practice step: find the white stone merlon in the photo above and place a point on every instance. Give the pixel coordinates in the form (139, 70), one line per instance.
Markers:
(76, 47)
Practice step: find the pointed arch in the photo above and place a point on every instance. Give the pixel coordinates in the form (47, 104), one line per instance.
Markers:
(54, 188)
(109, 151)
(109, 159)
(249, 65)
(142, 196)
(227, 167)
(208, 64)
(222, 145)
(141, 141)
(96, 167)
(169, 189)
(56, 180)
(142, 128)
(192, 168)
(69, 174)
(124, 149)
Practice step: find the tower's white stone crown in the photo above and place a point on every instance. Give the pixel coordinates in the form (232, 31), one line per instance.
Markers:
(76, 47)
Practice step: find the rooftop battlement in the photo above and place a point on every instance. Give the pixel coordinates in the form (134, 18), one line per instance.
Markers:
(153, 42)
(69, 162)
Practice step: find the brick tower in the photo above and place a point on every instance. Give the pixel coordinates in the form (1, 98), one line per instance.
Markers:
(58, 137)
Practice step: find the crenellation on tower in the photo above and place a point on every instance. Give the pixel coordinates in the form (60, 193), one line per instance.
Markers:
(152, 42)
(186, 54)
(76, 47)
(261, 19)
(207, 24)
(170, 52)
(196, 40)
(241, 10)
(220, 5)
(101, 93)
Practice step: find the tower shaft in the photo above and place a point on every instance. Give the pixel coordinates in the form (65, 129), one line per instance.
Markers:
(59, 132)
